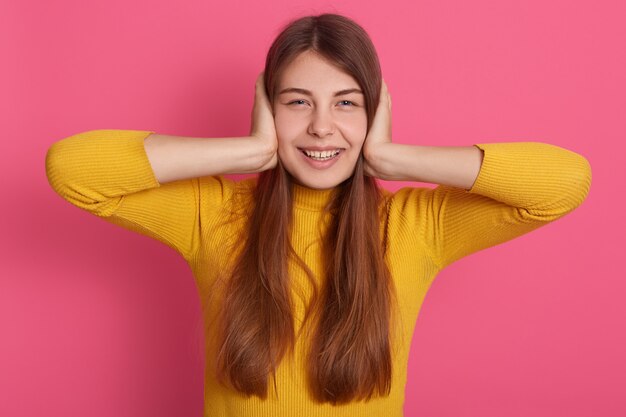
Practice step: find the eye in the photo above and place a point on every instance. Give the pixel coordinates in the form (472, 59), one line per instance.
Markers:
(348, 103)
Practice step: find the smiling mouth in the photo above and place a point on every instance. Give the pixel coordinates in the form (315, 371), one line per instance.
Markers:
(321, 155)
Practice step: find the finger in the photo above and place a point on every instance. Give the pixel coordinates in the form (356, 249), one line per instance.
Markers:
(385, 93)
(261, 86)
(384, 96)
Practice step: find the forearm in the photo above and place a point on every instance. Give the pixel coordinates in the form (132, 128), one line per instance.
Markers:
(457, 166)
(175, 157)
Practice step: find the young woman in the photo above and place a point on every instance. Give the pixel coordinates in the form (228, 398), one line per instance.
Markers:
(311, 276)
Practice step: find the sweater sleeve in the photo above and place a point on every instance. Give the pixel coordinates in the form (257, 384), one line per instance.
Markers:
(108, 174)
(521, 186)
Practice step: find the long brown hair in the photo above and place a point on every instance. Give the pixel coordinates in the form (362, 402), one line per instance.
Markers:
(350, 355)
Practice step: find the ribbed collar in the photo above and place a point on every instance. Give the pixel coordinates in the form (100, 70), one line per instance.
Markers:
(310, 198)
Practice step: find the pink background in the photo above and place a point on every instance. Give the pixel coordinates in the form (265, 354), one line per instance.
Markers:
(98, 321)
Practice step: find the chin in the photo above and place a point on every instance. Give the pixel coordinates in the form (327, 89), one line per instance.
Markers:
(322, 186)
(319, 183)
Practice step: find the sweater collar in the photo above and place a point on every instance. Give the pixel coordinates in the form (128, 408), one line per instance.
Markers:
(310, 198)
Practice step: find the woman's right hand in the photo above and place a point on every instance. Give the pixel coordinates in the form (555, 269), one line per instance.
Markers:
(263, 128)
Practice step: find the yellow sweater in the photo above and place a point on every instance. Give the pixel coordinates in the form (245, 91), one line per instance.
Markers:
(521, 187)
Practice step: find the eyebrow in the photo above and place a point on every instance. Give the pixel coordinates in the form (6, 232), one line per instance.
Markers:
(308, 93)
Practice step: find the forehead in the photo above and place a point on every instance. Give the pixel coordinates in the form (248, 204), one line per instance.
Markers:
(312, 72)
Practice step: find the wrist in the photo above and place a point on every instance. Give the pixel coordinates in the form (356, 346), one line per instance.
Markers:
(380, 159)
(264, 153)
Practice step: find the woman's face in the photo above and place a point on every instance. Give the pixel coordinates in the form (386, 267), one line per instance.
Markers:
(321, 122)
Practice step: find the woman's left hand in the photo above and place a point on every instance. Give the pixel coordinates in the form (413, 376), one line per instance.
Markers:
(378, 138)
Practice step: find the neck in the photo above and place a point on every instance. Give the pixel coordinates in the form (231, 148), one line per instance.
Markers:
(311, 198)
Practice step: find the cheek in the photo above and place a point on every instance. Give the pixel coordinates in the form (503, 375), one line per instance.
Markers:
(355, 131)
(285, 136)
(286, 128)
(283, 151)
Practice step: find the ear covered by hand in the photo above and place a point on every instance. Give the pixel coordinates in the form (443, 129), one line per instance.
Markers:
(379, 135)
(263, 127)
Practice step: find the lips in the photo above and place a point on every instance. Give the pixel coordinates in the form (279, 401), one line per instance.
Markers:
(321, 148)
(317, 161)
(321, 154)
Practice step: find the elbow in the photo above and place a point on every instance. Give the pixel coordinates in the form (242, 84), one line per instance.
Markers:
(65, 164)
(54, 169)
(579, 184)
(64, 177)
(569, 193)
(575, 187)
(573, 184)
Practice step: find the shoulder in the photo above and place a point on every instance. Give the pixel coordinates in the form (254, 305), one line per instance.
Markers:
(218, 192)
(406, 197)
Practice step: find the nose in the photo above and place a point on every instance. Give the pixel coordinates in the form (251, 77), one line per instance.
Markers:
(322, 123)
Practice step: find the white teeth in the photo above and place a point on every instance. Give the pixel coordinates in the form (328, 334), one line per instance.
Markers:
(322, 154)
